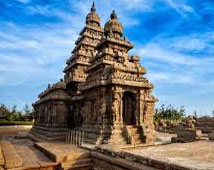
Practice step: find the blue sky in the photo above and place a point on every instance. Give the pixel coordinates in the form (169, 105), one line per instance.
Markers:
(174, 39)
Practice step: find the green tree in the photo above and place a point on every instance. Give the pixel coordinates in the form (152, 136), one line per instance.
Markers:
(169, 112)
(4, 111)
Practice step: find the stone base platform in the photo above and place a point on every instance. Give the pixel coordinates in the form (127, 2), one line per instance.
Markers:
(48, 134)
(197, 155)
(20, 154)
(12, 159)
(69, 156)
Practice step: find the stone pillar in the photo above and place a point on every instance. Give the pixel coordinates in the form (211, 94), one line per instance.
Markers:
(117, 105)
(142, 103)
(138, 111)
(116, 136)
(148, 121)
(103, 104)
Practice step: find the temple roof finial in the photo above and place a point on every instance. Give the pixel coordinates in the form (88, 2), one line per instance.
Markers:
(93, 17)
(93, 9)
(113, 15)
(113, 26)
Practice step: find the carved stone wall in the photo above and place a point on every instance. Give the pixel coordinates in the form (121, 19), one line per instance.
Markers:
(104, 92)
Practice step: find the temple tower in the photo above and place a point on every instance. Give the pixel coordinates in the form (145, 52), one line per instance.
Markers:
(77, 64)
(90, 36)
(118, 105)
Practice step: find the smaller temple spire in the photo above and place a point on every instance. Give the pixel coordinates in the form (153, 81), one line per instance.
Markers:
(113, 15)
(93, 8)
(113, 26)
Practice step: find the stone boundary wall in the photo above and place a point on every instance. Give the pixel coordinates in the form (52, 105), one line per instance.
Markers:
(205, 124)
(134, 159)
(19, 127)
(13, 130)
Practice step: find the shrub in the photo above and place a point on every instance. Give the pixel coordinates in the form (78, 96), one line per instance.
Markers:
(5, 123)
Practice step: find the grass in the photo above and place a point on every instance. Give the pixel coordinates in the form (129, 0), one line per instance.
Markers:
(5, 123)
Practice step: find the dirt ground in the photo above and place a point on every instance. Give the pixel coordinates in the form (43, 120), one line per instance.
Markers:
(13, 130)
(198, 155)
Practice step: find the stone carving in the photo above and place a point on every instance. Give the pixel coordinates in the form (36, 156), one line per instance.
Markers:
(190, 122)
(104, 91)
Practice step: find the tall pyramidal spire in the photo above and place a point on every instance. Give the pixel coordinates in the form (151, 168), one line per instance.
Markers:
(90, 36)
(121, 94)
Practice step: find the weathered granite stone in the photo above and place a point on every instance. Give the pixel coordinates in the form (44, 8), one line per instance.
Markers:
(205, 124)
(104, 92)
(189, 135)
(211, 135)
(12, 159)
(1, 156)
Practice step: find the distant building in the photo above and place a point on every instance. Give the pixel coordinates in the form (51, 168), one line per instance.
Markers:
(104, 92)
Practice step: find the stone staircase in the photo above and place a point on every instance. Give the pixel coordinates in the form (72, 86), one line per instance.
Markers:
(134, 134)
(68, 156)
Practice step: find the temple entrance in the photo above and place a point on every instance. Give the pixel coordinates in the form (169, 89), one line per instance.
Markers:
(129, 107)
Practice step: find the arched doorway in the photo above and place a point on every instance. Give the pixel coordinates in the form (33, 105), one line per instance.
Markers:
(129, 107)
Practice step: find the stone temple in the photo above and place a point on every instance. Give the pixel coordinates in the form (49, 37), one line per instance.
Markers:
(104, 92)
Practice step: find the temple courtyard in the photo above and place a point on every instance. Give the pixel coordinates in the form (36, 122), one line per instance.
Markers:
(33, 154)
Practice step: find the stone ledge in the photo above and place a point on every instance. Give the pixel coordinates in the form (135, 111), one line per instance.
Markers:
(12, 159)
(59, 152)
(120, 162)
(126, 156)
(1, 157)
(81, 162)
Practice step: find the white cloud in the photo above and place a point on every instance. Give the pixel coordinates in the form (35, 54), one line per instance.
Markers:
(194, 42)
(155, 51)
(180, 7)
(34, 54)
(142, 5)
(171, 77)
(24, 1)
(181, 79)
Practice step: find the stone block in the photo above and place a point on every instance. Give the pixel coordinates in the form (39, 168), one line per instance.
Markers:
(12, 159)
(174, 139)
(189, 135)
(211, 135)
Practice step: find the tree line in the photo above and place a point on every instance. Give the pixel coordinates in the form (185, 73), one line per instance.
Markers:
(169, 113)
(13, 114)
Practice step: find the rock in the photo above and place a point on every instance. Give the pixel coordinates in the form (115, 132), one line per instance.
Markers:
(189, 135)
(211, 135)
(174, 140)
